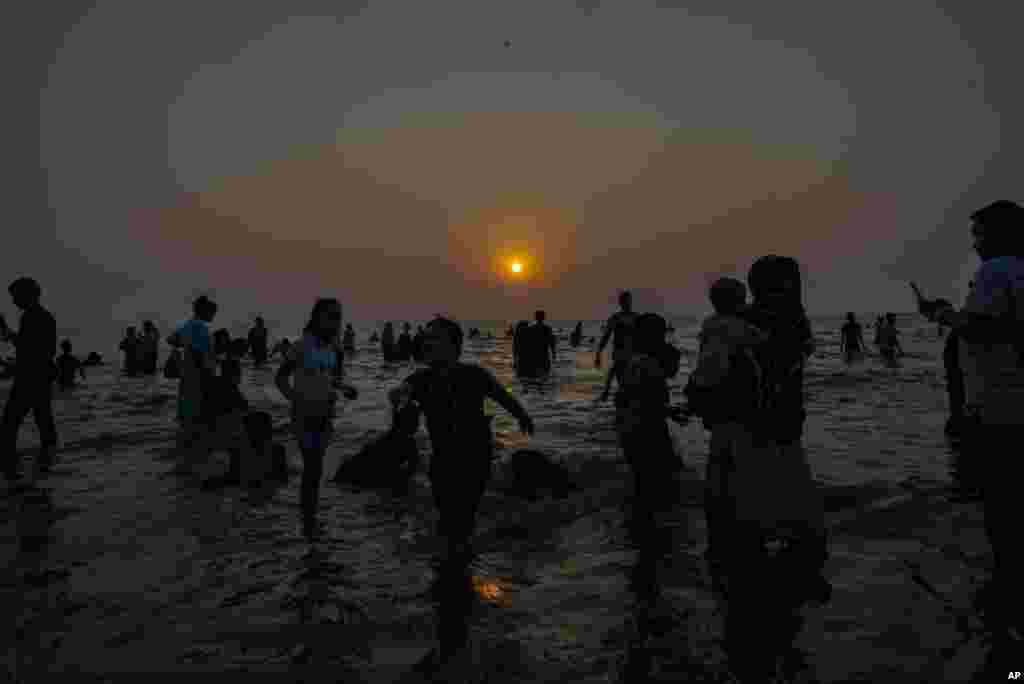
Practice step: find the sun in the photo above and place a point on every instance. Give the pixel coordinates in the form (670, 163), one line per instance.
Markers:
(517, 267)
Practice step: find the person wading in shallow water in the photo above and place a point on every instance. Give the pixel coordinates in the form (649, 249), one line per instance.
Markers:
(316, 364)
(36, 346)
(620, 325)
(991, 324)
(451, 395)
(851, 340)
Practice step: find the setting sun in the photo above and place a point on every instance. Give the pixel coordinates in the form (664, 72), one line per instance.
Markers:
(517, 267)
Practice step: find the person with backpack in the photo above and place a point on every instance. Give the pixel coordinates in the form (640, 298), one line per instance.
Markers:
(991, 323)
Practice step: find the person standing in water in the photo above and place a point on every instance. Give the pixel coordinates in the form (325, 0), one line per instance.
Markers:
(35, 344)
(620, 325)
(348, 340)
(889, 345)
(991, 323)
(316, 364)
(131, 345)
(519, 345)
(68, 366)
(851, 340)
(451, 395)
(542, 346)
(576, 338)
(257, 340)
(404, 344)
(879, 324)
(198, 366)
(387, 342)
(417, 344)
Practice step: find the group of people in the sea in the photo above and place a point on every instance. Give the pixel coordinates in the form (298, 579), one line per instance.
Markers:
(764, 513)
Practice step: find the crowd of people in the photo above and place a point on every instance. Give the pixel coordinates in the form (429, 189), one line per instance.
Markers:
(746, 388)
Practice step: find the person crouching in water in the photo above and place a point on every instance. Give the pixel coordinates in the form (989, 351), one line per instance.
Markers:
(722, 391)
(315, 361)
(451, 395)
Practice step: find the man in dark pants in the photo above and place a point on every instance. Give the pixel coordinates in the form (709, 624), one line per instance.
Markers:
(992, 324)
(36, 345)
(954, 384)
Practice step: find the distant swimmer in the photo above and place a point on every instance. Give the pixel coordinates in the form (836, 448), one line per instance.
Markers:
(257, 340)
(576, 338)
(348, 340)
(149, 348)
(851, 340)
(68, 367)
(621, 325)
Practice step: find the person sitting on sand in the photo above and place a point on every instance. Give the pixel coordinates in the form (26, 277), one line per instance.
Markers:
(316, 365)
(851, 339)
(620, 326)
(451, 395)
(68, 366)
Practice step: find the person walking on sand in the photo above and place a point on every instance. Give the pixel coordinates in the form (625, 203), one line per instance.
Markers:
(991, 323)
(315, 363)
(851, 340)
(35, 345)
(451, 395)
(620, 325)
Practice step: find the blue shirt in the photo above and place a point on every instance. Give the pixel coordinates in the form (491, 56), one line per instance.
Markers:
(195, 334)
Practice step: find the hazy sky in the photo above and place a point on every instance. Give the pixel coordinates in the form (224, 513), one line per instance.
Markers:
(396, 154)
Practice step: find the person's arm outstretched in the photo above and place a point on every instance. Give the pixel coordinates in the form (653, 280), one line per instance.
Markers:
(503, 398)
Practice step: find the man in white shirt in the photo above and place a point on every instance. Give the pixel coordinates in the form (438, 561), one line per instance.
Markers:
(991, 324)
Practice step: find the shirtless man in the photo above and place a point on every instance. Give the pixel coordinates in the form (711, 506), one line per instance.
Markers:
(621, 324)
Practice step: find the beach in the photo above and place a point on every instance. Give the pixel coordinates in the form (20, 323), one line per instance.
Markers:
(145, 573)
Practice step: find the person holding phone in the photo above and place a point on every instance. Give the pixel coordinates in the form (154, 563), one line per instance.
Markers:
(991, 323)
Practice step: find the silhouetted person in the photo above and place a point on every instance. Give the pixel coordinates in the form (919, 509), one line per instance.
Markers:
(36, 345)
(390, 460)
(991, 324)
(722, 390)
(93, 359)
(199, 366)
(316, 365)
(451, 395)
(889, 345)
(758, 620)
(577, 335)
(131, 345)
(620, 325)
(374, 337)
(257, 339)
(879, 324)
(519, 343)
(221, 343)
(281, 348)
(149, 348)
(403, 348)
(387, 342)
(417, 344)
(641, 408)
(851, 339)
(348, 340)
(68, 367)
(537, 348)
